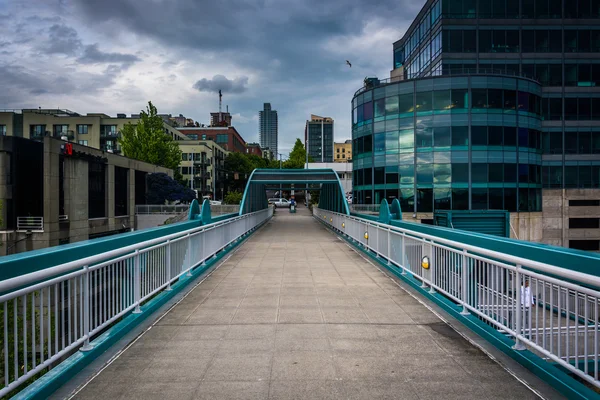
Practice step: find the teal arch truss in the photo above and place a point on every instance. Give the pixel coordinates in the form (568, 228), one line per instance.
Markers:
(327, 181)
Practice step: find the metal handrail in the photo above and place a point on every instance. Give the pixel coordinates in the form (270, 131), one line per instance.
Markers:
(451, 72)
(67, 305)
(491, 285)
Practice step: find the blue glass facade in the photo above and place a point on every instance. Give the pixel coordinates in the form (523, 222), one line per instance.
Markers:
(461, 142)
(464, 140)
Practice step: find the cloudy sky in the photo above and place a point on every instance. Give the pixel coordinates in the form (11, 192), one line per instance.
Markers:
(113, 56)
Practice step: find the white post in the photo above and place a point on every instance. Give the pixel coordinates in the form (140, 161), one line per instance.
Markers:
(86, 309)
(464, 283)
(137, 282)
(168, 265)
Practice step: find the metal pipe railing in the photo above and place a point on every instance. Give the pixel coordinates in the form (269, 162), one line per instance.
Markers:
(549, 310)
(48, 314)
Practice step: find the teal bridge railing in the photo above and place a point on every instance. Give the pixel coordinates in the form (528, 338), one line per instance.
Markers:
(540, 304)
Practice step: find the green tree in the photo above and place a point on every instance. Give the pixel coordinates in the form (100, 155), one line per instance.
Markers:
(234, 197)
(297, 157)
(148, 142)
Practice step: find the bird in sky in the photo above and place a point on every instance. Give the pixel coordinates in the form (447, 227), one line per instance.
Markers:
(348, 62)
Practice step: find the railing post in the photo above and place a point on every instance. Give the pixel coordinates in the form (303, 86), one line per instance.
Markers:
(404, 254)
(389, 239)
(168, 265)
(189, 245)
(464, 283)
(86, 309)
(137, 284)
(518, 344)
(432, 268)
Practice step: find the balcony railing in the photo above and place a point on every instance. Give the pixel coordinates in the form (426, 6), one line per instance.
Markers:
(371, 83)
(109, 134)
(34, 224)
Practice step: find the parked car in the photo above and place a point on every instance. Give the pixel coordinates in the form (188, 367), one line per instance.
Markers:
(279, 202)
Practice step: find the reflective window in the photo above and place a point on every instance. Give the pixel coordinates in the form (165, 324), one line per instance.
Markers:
(460, 173)
(460, 199)
(407, 139)
(368, 111)
(442, 199)
(460, 136)
(407, 174)
(423, 100)
(424, 137)
(442, 173)
(479, 136)
(479, 98)
(479, 173)
(441, 136)
(424, 200)
(479, 199)
(391, 105)
(405, 103)
(460, 98)
(379, 107)
(441, 100)
(496, 173)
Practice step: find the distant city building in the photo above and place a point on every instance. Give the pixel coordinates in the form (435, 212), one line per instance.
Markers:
(268, 128)
(202, 165)
(226, 137)
(220, 119)
(254, 148)
(268, 154)
(343, 152)
(96, 130)
(318, 138)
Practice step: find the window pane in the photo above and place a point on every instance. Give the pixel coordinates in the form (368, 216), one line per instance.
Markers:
(460, 98)
(460, 199)
(424, 137)
(407, 139)
(510, 173)
(510, 199)
(495, 135)
(441, 137)
(442, 173)
(424, 101)
(442, 199)
(391, 105)
(460, 173)
(407, 174)
(495, 98)
(379, 107)
(479, 173)
(479, 136)
(510, 136)
(495, 173)
(406, 103)
(460, 136)
(424, 200)
(479, 98)
(479, 199)
(368, 111)
(441, 100)
(496, 197)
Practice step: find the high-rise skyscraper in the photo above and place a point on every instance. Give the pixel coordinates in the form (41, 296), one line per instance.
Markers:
(267, 122)
(318, 138)
(491, 105)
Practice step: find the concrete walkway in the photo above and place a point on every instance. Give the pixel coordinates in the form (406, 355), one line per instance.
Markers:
(296, 313)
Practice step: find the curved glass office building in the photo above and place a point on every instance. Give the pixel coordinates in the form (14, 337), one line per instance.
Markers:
(490, 104)
(461, 142)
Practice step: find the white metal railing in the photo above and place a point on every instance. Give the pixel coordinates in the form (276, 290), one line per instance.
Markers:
(30, 224)
(216, 209)
(48, 314)
(161, 209)
(63, 218)
(556, 318)
(365, 208)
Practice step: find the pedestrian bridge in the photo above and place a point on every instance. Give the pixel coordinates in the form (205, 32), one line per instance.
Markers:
(317, 304)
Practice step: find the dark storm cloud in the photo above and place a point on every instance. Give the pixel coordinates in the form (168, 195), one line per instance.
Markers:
(253, 33)
(220, 82)
(61, 40)
(93, 55)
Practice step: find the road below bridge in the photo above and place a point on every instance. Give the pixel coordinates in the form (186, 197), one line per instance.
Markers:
(297, 313)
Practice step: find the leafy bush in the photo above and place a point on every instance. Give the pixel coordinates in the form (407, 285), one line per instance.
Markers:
(162, 188)
(234, 197)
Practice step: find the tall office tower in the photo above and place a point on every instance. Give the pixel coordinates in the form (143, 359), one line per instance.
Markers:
(267, 122)
(491, 105)
(318, 138)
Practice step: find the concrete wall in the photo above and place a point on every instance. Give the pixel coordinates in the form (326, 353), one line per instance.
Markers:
(78, 226)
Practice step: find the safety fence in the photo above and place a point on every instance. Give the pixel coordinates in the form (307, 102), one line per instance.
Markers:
(551, 311)
(47, 315)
